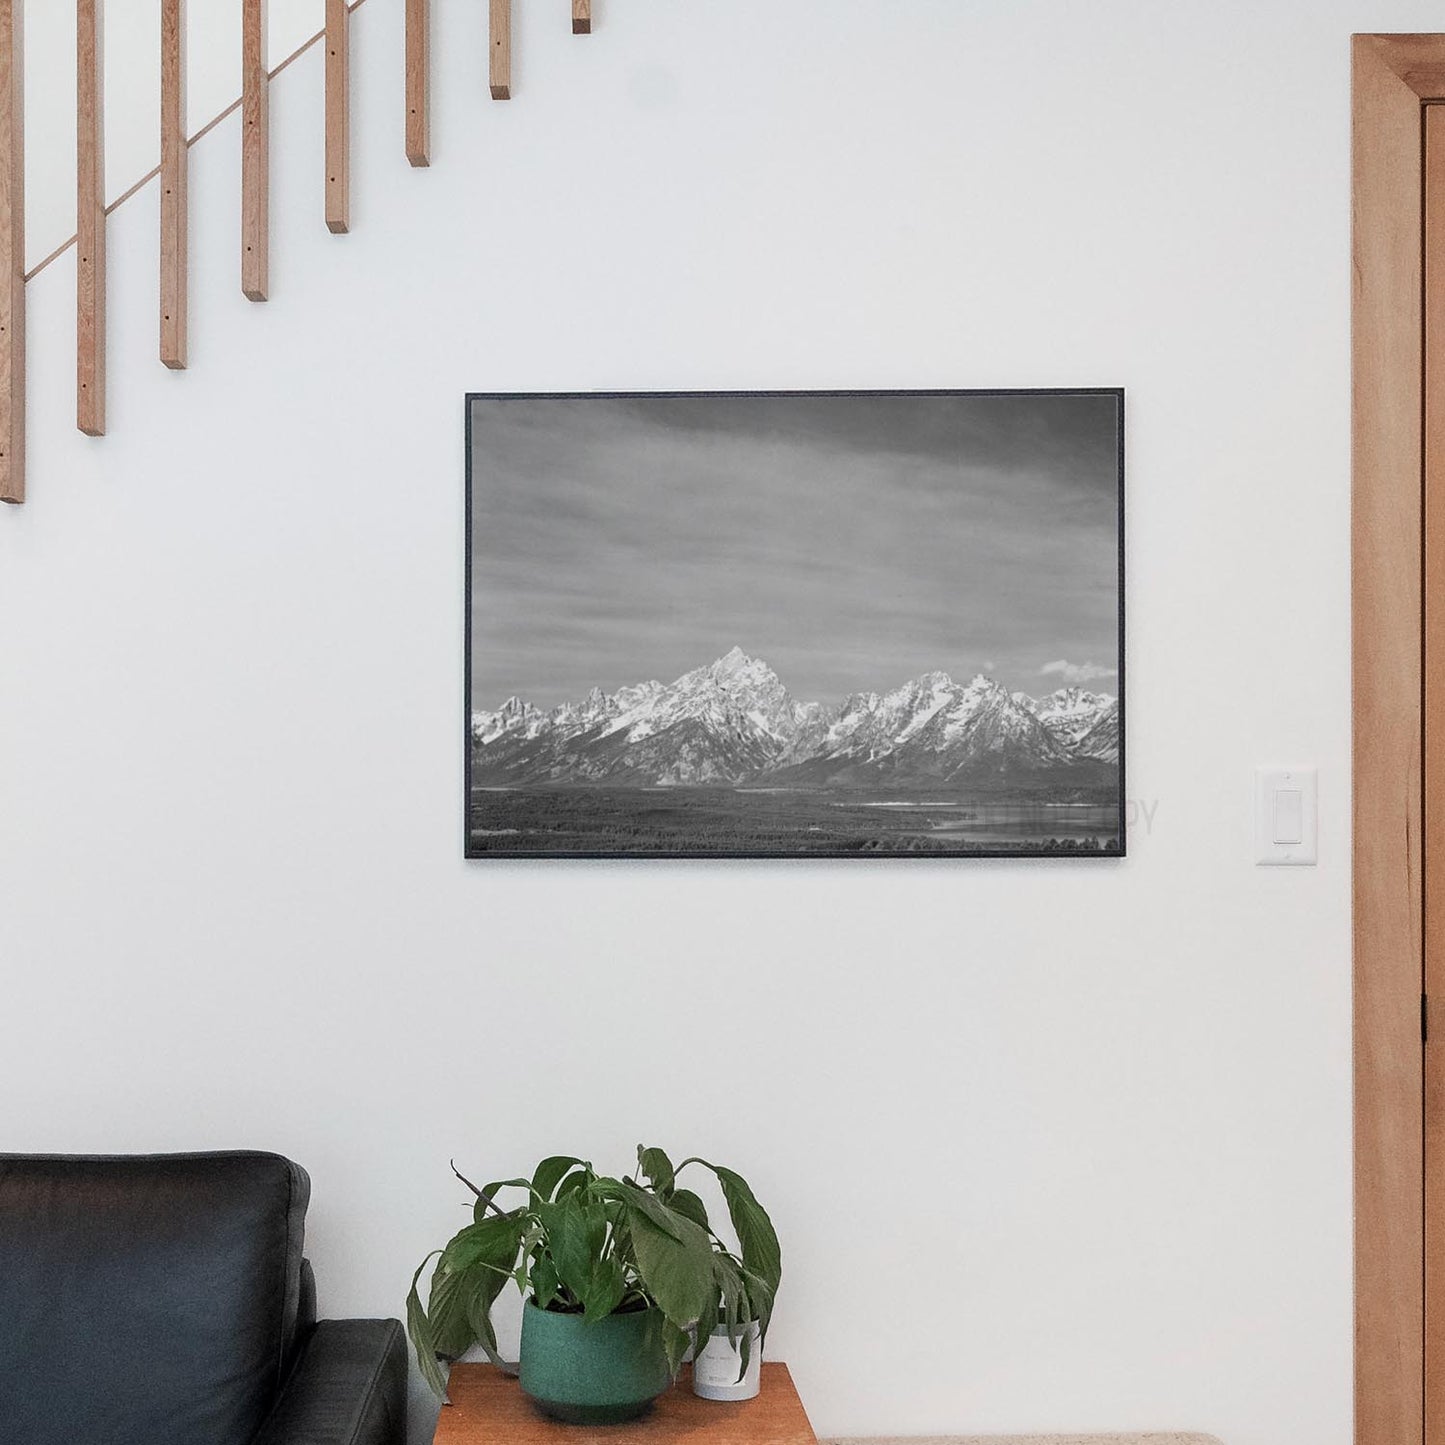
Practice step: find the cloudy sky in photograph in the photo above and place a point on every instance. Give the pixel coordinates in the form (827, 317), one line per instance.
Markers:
(851, 542)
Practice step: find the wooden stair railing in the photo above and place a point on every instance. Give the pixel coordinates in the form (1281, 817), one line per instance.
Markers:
(91, 209)
(89, 220)
(255, 154)
(175, 230)
(12, 254)
(338, 117)
(500, 61)
(418, 73)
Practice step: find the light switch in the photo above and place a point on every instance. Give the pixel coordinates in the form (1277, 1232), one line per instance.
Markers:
(1286, 816)
(1289, 816)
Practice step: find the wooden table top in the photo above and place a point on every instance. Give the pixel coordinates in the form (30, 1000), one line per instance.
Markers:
(489, 1408)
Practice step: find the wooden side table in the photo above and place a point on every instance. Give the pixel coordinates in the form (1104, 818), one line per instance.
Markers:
(489, 1408)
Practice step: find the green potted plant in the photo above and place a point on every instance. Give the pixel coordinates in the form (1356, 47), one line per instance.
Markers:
(615, 1274)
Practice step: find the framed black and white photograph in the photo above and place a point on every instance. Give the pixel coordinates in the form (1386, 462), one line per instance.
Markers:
(795, 624)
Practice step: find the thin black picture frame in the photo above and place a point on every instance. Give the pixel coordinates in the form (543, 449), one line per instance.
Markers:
(710, 855)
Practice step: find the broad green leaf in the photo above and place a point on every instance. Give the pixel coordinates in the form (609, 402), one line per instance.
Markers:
(756, 1235)
(760, 1292)
(745, 1351)
(657, 1169)
(734, 1301)
(759, 1240)
(419, 1328)
(622, 1249)
(687, 1204)
(600, 1187)
(739, 1308)
(674, 1343)
(677, 1270)
(760, 1301)
(550, 1173)
(576, 1180)
(544, 1282)
(639, 1200)
(469, 1276)
(494, 1239)
(480, 1303)
(486, 1197)
(490, 1191)
(568, 1243)
(706, 1324)
(448, 1313)
(595, 1218)
(461, 1308)
(605, 1289)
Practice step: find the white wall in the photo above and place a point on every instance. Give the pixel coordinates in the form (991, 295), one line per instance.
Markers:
(1049, 1145)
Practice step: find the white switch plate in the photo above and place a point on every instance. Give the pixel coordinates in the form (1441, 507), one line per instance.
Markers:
(1286, 816)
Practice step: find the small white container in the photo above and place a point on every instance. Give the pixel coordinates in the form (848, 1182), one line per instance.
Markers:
(716, 1367)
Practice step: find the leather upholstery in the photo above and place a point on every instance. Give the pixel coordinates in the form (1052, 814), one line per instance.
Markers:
(306, 1310)
(348, 1388)
(154, 1300)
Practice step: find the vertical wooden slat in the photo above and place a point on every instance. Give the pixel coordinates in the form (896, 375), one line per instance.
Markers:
(174, 237)
(500, 65)
(582, 17)
(338, 116)
(90, 221)
(418, 82)
(255, 154)
(12, 253)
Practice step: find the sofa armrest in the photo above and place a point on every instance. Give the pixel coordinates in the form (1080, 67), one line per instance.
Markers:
(348, 1388)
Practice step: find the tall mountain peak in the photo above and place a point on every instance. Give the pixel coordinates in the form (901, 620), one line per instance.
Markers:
(733, 660)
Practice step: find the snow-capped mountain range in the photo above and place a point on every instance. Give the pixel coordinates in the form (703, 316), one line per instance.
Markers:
(734, 722)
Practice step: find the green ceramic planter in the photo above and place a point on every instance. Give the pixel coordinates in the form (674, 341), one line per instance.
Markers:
(592, 1374)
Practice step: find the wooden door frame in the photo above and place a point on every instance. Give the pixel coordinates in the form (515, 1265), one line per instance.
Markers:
(1393, 77)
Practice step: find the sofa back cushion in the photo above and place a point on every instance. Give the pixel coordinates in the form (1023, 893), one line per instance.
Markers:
(146, 1300)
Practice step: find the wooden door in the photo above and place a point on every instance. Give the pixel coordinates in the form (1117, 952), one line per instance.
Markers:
(1433, 730)
(1398, 463)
